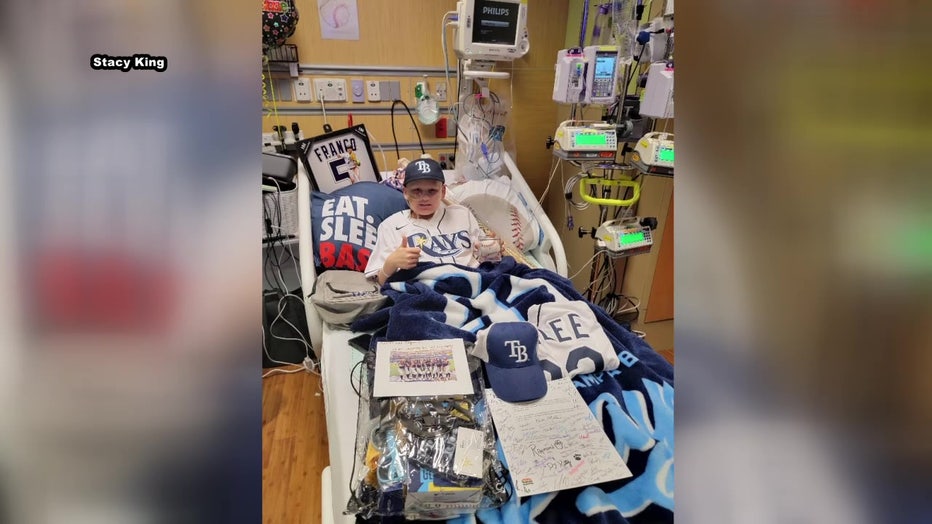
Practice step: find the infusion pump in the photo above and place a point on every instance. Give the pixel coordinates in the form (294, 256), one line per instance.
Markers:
(654, 153)
(586, 75)
(630, 236)
(577, 139)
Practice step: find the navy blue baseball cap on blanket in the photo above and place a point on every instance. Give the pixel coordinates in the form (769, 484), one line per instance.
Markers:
(509, 350)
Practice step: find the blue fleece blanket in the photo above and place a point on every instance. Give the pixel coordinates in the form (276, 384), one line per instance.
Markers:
(634, 402)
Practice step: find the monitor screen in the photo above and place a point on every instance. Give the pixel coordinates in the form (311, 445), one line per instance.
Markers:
(631, 237)
(604, 65)
(665, 154)
(495, 23)
(591, 139)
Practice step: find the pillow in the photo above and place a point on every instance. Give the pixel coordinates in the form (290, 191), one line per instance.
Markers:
(345, 223)
(505, 210)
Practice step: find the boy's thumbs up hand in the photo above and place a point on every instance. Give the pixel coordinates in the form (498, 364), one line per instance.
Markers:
(405, 257)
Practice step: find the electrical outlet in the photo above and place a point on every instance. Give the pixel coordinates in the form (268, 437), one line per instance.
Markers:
(358, 90)
(330, 89)
(395, 86)
(373, 91)
(302, 90)
(441, 93)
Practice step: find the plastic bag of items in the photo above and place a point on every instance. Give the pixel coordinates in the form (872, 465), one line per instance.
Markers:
(425, 458)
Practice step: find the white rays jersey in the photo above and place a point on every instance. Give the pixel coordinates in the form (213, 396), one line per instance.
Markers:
(571, 340)
(448, 237)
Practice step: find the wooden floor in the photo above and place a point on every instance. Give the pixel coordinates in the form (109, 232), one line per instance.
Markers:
(295, 448)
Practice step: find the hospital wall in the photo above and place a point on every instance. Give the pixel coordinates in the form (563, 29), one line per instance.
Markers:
(407, 34)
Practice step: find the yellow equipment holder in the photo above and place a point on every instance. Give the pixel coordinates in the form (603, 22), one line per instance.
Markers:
(601, 182)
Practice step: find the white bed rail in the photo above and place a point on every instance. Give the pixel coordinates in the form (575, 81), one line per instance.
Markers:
(551, 242)
(306, 254)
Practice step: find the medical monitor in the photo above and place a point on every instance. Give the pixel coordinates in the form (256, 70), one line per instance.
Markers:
(491, 30)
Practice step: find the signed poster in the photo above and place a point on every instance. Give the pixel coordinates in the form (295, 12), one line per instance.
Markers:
(555, 442)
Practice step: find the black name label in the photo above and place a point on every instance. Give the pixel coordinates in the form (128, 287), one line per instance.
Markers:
(101, 62)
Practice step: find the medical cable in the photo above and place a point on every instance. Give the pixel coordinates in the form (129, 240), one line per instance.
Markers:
(320, 95)
(280, 239)
(413, 123)
(584, 266)
(303, 366)
(265, 349)
(378, 145)
(570, 187)
(554, 163)
(268, 69)
(274, 262)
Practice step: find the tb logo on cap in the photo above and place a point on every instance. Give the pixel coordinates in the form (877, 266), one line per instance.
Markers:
(518, 350)
(422, 166)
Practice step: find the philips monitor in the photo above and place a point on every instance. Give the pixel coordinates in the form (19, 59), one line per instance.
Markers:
(491, 30)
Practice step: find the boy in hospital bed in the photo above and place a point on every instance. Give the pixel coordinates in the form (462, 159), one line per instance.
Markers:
(429, 230)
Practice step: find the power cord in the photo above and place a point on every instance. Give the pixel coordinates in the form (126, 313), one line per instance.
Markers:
(413, 123)
(379, 145)
(273, 264)
(554, 163)
(307, 365)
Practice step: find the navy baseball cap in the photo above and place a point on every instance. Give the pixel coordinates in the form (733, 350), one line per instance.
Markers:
(509, 350)
(424, 169)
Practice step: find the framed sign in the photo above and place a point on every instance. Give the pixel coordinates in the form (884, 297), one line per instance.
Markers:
(339, 158)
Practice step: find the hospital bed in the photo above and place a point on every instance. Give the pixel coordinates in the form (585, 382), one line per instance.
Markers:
(337, 359)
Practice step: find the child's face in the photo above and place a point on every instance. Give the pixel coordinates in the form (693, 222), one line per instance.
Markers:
(424, 196)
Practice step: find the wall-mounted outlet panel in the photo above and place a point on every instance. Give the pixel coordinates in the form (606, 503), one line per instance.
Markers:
(330, 89)
(373, 91)
(358, 90)
(441, 92)
(385, 90)
(302, 90)
(283, 89)
(395, 86)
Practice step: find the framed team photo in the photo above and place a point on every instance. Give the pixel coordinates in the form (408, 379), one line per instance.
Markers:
(422, 367)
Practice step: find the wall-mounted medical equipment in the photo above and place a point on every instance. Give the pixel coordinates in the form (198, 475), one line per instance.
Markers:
(586, 75)
(494, 30)
(581, 140)
(654, 153)
(626, 236)
(657, 100)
